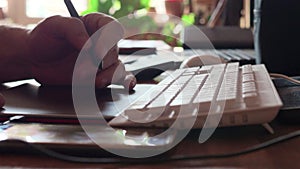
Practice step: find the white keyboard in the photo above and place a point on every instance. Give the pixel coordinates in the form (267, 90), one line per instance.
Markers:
(233, 94)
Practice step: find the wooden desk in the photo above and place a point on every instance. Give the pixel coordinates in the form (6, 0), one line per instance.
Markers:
(224, 140)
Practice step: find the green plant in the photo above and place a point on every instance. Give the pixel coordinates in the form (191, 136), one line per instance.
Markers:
(143, 23)
(117, 8)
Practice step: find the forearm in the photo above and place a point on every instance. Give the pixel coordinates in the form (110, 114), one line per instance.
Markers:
(14, 64)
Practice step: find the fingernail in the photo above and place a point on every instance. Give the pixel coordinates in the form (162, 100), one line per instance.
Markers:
(132, 83)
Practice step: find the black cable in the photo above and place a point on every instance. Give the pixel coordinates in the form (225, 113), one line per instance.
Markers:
(115, 160)
(248, 150)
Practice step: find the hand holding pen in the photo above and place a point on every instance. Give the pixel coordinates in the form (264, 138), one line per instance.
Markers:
(55, 44)
(106, 43)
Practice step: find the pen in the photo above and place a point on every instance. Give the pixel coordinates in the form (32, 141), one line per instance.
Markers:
(71, 9)
(74, 14)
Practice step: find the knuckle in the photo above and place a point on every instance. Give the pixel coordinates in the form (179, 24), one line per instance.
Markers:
(53, 18)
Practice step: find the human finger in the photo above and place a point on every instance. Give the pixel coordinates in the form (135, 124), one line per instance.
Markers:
(94, 21)
(111, 57)
(105, 33)
(105, 43)
(112, 75)
(129, 81)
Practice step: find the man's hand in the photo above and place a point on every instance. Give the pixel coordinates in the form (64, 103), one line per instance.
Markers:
(55, 44)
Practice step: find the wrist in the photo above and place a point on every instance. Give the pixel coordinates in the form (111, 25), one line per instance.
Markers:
(14, 54)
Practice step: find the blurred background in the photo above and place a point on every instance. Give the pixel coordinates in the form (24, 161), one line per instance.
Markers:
(206, 13)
